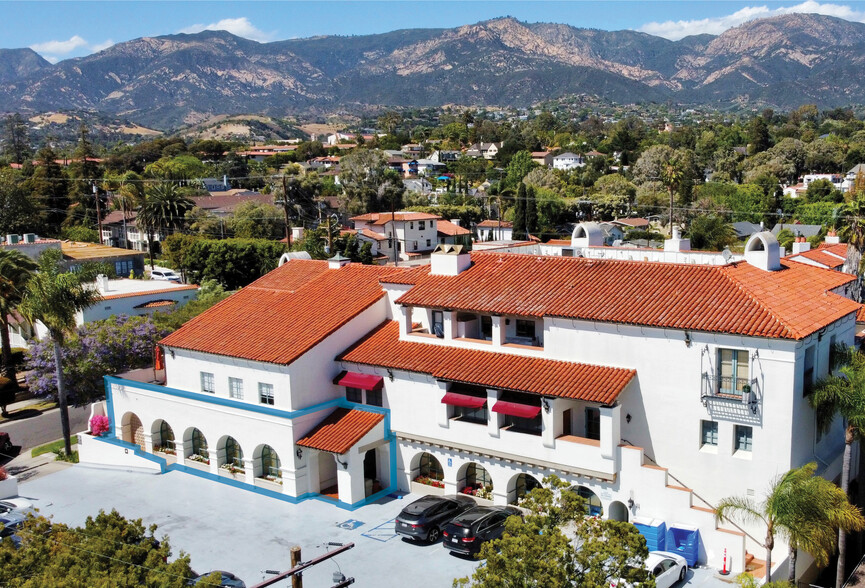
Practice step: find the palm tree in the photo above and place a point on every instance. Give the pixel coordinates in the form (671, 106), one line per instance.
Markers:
(801, 507)
(55, 298)
(15, 271)
(842, 394)
(164, 209)
(853, 232)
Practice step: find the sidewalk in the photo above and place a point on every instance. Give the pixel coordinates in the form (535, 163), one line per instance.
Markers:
(27, 468)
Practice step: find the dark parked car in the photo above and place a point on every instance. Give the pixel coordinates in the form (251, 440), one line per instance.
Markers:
(424, 518)
(10, 523)
(466, 533)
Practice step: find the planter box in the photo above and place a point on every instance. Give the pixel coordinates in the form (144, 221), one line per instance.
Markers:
(9, 487)
(168, 457)
(268, 485)
(426, 489)
(239, 476)
(204, 467)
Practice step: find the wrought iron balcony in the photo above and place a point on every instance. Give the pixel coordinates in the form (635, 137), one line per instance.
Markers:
(727, 388)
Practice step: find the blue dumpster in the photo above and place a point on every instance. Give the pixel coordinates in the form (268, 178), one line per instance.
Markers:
(685, 541)
(654, 530)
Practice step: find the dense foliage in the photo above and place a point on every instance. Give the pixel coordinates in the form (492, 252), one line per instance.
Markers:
(234, 263)
(99, 348)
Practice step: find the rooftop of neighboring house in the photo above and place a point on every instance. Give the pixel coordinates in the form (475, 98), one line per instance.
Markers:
(369, 234)
(789, 303)
(637, 223)
(227, 202)
(449, 229)
(830, 256)
(567, 155)
(90, 251)
(23, 243)
(381, 218)
(284, 314)
(124, 288)
(797, 229)
(494, 224)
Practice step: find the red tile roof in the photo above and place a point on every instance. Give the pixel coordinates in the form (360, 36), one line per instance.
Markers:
(494, 224)
(178, 288)
(633, 222)
(157, 304)
(502, 371)
(341, 430)
(409, 276)
(737, 298)
(284, 314)
(380, 218)
(446, 227)
(860, 314)
(822, 256)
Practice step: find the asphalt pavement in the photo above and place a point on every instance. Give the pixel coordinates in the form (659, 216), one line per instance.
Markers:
(30, 432)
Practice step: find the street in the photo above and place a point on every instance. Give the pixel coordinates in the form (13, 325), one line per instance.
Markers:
(38, 430)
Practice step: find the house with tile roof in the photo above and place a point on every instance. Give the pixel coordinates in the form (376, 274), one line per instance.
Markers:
(402, 235)
(495, 230)
(654, 389)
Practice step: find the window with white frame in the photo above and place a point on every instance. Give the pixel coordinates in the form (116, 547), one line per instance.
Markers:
(265, 393)
(709, 433)
(207, 384)
(421, 225)
(235, 388)
(744, 438)
(733, 372)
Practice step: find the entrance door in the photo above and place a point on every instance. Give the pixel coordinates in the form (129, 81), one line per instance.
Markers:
(593, 423)
(566, 422)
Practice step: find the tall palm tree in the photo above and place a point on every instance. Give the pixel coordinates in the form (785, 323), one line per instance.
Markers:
(852, 230)
(163, 211)
(54, 298)
(15, 271)
(843, 394)
(800, 507)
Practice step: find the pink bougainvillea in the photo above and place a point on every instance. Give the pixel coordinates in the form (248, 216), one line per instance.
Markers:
(100, 425)
(3, 473)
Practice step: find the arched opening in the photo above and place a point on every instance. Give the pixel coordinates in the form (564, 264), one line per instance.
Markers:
(163, 437)
(370, 473)
(266, 463)
(132, 431)
(195, 446)
(230, 454)
(474, 480)
(427, 469)
(618, 511)
(327, 475)
(519, 486)
(593, 503)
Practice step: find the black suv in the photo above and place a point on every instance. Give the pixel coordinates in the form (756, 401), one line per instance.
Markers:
(424, 518)
(466, 533)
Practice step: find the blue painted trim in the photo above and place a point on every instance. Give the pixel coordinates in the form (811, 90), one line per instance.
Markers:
(164, 467)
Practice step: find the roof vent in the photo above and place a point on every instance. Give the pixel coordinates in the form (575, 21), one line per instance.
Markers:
(587, 235)
(337, 261)
(449, 260)
(762, 251)
(801, 245)
(832, 238)
(676, 242)
(11, 239)
(29, 237)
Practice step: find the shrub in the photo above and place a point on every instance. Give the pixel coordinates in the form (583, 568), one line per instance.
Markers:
(3, 473)
(100, 425)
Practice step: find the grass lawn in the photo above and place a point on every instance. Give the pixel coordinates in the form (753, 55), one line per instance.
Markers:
(53, 447)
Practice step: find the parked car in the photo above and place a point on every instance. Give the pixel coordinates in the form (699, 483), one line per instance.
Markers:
(165, 275)
(423, 519)
(15, 505)
(10, 523)
(226, 579)
(466, 533)
(667, 569)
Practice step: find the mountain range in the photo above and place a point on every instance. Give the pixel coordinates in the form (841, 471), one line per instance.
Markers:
(167, 81)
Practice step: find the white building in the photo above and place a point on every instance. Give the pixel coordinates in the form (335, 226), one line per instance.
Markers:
(495, 230)
(406, 234)
(568, 160)
(656, 388)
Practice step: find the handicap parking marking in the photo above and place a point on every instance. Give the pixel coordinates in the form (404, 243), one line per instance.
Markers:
(350, 524)
(383, 532)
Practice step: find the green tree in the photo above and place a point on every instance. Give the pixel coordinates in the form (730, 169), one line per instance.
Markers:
(15, 271)
(18, 211)
(164, 210)
(711, 232)
(842, 394)
(181, 168)
(54, 298)
(361, 173)
(531, 211)
(518, 168)
(537, 551)
(614, 197)
(519, 231)
(254, 220)
(210, 292)
(851, 228)
(758, 136)
(48, 189)
(108, 550)
(16, 145)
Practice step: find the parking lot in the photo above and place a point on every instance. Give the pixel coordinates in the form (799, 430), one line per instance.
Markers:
(245, 533)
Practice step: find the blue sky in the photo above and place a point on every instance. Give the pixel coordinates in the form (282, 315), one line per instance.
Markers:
(60, 30)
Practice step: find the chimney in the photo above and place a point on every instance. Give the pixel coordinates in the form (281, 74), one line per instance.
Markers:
(676, 242)
(225, 182)
(801, 245)
(832, 238)
(337, 261)
(11, 239)
(455, 221)
(762, 251)
(449, 260)
(587, 235)
(102, 283)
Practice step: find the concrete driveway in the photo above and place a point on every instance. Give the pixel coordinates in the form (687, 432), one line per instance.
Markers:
(245, 533)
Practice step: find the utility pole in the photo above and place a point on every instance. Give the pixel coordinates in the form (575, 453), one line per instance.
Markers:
(328, 240)
(393, 230)
(98, 211)
(299, 566)
(297, 579)
(285, 210)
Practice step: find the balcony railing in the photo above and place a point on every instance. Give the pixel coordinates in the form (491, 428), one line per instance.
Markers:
(726, 388)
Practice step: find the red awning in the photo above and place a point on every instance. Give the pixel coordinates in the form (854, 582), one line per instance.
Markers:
(466, 400)
(362, 381)
(525, 411)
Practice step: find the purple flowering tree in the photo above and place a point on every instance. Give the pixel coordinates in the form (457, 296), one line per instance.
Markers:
(114, 345)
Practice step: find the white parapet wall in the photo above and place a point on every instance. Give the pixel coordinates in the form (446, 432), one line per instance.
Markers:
(9, 487)
(106, 452)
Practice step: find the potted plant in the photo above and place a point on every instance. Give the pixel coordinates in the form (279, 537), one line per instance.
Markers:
(100, 425)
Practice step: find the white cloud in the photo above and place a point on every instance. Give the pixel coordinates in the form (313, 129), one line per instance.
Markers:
(59, 47)
(236, 26)
(675, 30)
(101, 46)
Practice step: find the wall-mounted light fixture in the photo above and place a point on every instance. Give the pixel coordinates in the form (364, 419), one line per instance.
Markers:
(344, 464)
(631, 503)
(171, 351)
(390, 374)
(628, 418)
(299, 453)
(546, 404)
(687, 339)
